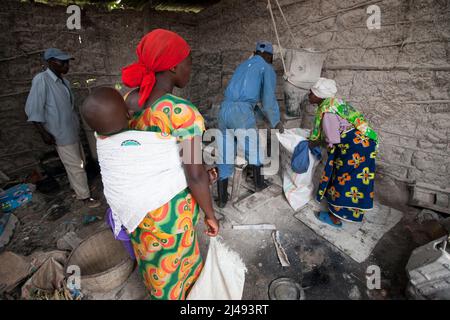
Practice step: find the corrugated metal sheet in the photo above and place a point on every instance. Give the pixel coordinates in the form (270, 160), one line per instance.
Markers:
(193, 6)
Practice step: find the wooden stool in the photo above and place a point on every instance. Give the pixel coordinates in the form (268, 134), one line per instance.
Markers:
(240, 165)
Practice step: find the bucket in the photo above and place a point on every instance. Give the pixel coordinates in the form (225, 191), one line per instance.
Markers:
(294, 99)
(303, 69)
(122, 236)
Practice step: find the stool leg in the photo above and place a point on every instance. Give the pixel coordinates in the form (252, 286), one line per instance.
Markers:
(222, 192)
(237, 179)
(258, 179)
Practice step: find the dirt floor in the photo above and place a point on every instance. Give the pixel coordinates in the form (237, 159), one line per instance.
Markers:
(36, 232)
(320, 268)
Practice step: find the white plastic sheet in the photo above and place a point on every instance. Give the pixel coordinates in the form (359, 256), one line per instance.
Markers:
(222, 277)
(298, 188)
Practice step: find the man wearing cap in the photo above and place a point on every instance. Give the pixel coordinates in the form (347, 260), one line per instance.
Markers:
(50, 106)
(253, 81)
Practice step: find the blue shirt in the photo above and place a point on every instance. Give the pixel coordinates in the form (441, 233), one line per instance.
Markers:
(51, 102)
(254, 81)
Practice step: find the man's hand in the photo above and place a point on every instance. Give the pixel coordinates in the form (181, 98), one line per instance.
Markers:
(212, 226)
(280, 127)
(48, 138)
(213, 175)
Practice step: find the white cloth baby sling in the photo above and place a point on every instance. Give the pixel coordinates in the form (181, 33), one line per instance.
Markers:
(140, 171)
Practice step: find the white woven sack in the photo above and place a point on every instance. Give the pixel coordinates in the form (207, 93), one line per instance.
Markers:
(298, 188)
(223, 275)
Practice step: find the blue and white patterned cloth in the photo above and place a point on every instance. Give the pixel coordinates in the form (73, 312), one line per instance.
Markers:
(347, 181)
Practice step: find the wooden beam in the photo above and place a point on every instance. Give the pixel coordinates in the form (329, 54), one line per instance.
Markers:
(25, 54)
(359, 67)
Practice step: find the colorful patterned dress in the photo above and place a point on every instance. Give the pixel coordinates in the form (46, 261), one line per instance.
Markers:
(347, 181)
(165, 243)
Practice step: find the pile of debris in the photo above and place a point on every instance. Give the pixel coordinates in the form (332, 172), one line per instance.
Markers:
(39, 276)
(98, 267)
(40, 225)
(428, 267)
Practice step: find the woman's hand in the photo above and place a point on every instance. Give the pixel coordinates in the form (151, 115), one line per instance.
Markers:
(213, 175)
(313, 144)
(212, 226)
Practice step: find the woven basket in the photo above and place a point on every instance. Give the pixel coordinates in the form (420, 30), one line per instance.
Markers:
(103, 261)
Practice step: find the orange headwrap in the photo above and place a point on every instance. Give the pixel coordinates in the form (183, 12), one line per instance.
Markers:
(158, 51)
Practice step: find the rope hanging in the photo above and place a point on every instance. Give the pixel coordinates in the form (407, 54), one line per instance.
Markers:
(269, 6)
(287, 25)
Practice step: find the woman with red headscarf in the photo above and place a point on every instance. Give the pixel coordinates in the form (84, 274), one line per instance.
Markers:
(165, 242)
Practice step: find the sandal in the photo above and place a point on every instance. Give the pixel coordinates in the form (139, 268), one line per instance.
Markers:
(92, 203)
(324, 216)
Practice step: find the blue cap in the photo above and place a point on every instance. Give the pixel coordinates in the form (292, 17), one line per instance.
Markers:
(57, 54)
(264, 46)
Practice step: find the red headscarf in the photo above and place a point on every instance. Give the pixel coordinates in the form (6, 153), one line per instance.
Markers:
(158, 51)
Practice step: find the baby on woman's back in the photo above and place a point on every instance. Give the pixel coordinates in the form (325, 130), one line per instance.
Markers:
(105, 111)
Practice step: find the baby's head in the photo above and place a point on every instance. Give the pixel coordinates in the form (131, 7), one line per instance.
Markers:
(105, 111)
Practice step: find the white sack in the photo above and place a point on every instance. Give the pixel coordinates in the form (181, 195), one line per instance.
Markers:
(298, 188)
(222, 277)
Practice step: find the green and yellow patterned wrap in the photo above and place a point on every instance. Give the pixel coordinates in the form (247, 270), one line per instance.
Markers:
(345, 111)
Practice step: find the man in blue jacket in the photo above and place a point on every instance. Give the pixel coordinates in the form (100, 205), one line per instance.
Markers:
(253, 81)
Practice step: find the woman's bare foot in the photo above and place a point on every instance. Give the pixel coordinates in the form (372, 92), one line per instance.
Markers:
(335, 219)
(329, 218)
